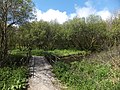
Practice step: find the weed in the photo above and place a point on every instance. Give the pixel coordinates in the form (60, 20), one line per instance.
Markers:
(98, 72)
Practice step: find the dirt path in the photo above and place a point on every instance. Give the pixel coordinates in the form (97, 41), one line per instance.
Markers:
(42, 77)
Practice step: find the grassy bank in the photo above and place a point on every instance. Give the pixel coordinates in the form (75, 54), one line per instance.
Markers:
(100, 71)
(63, 52)
(66, 52)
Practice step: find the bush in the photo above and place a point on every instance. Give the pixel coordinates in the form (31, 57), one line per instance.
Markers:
(18, 52)
(14, 73)
(16, 60)
(37, 52)
(13, 78)
(88, 75)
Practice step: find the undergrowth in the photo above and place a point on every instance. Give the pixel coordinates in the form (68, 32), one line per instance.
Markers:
(93, 73)
(13, 78)
(66, 52)
(14, 73)
(40, 52)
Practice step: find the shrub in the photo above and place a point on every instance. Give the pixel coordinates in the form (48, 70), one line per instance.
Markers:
(14, 73)
(13, 78)
(98, 72)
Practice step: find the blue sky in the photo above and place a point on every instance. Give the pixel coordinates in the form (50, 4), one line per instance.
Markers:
(68, 9)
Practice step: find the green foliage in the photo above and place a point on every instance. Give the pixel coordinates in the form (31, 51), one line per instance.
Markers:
(91, 34)
(38, 52)
(60, 69)
(66, 52)
(17, 12)
(98, 72)
(24, 52)
(14, 73)
(87, 75)
(58, 52)
(13, 78)
(18, 52)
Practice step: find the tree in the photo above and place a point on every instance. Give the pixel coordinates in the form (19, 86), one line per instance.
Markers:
(116, 28)
(12, 12)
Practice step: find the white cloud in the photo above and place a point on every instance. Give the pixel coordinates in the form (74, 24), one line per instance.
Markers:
(105, 14)
(89, 10)
(85, 11)
(61, 17)
(52, 15)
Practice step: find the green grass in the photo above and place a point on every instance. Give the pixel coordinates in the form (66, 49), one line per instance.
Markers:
(13, 78)
(18, 52)
(86, 75)
(14, 73)
(100, 71)
(41, 52)
(66, 52)
(37, 52)
(24, 52)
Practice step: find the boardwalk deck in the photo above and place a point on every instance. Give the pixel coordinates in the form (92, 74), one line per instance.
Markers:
(42, 76)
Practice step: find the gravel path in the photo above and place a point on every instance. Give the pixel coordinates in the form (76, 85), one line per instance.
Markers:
(41, 75)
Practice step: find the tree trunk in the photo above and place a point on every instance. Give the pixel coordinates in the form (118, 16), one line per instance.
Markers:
(4, 49)
(4, 44)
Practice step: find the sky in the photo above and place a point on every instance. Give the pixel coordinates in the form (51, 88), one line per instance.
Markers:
(62, 11)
